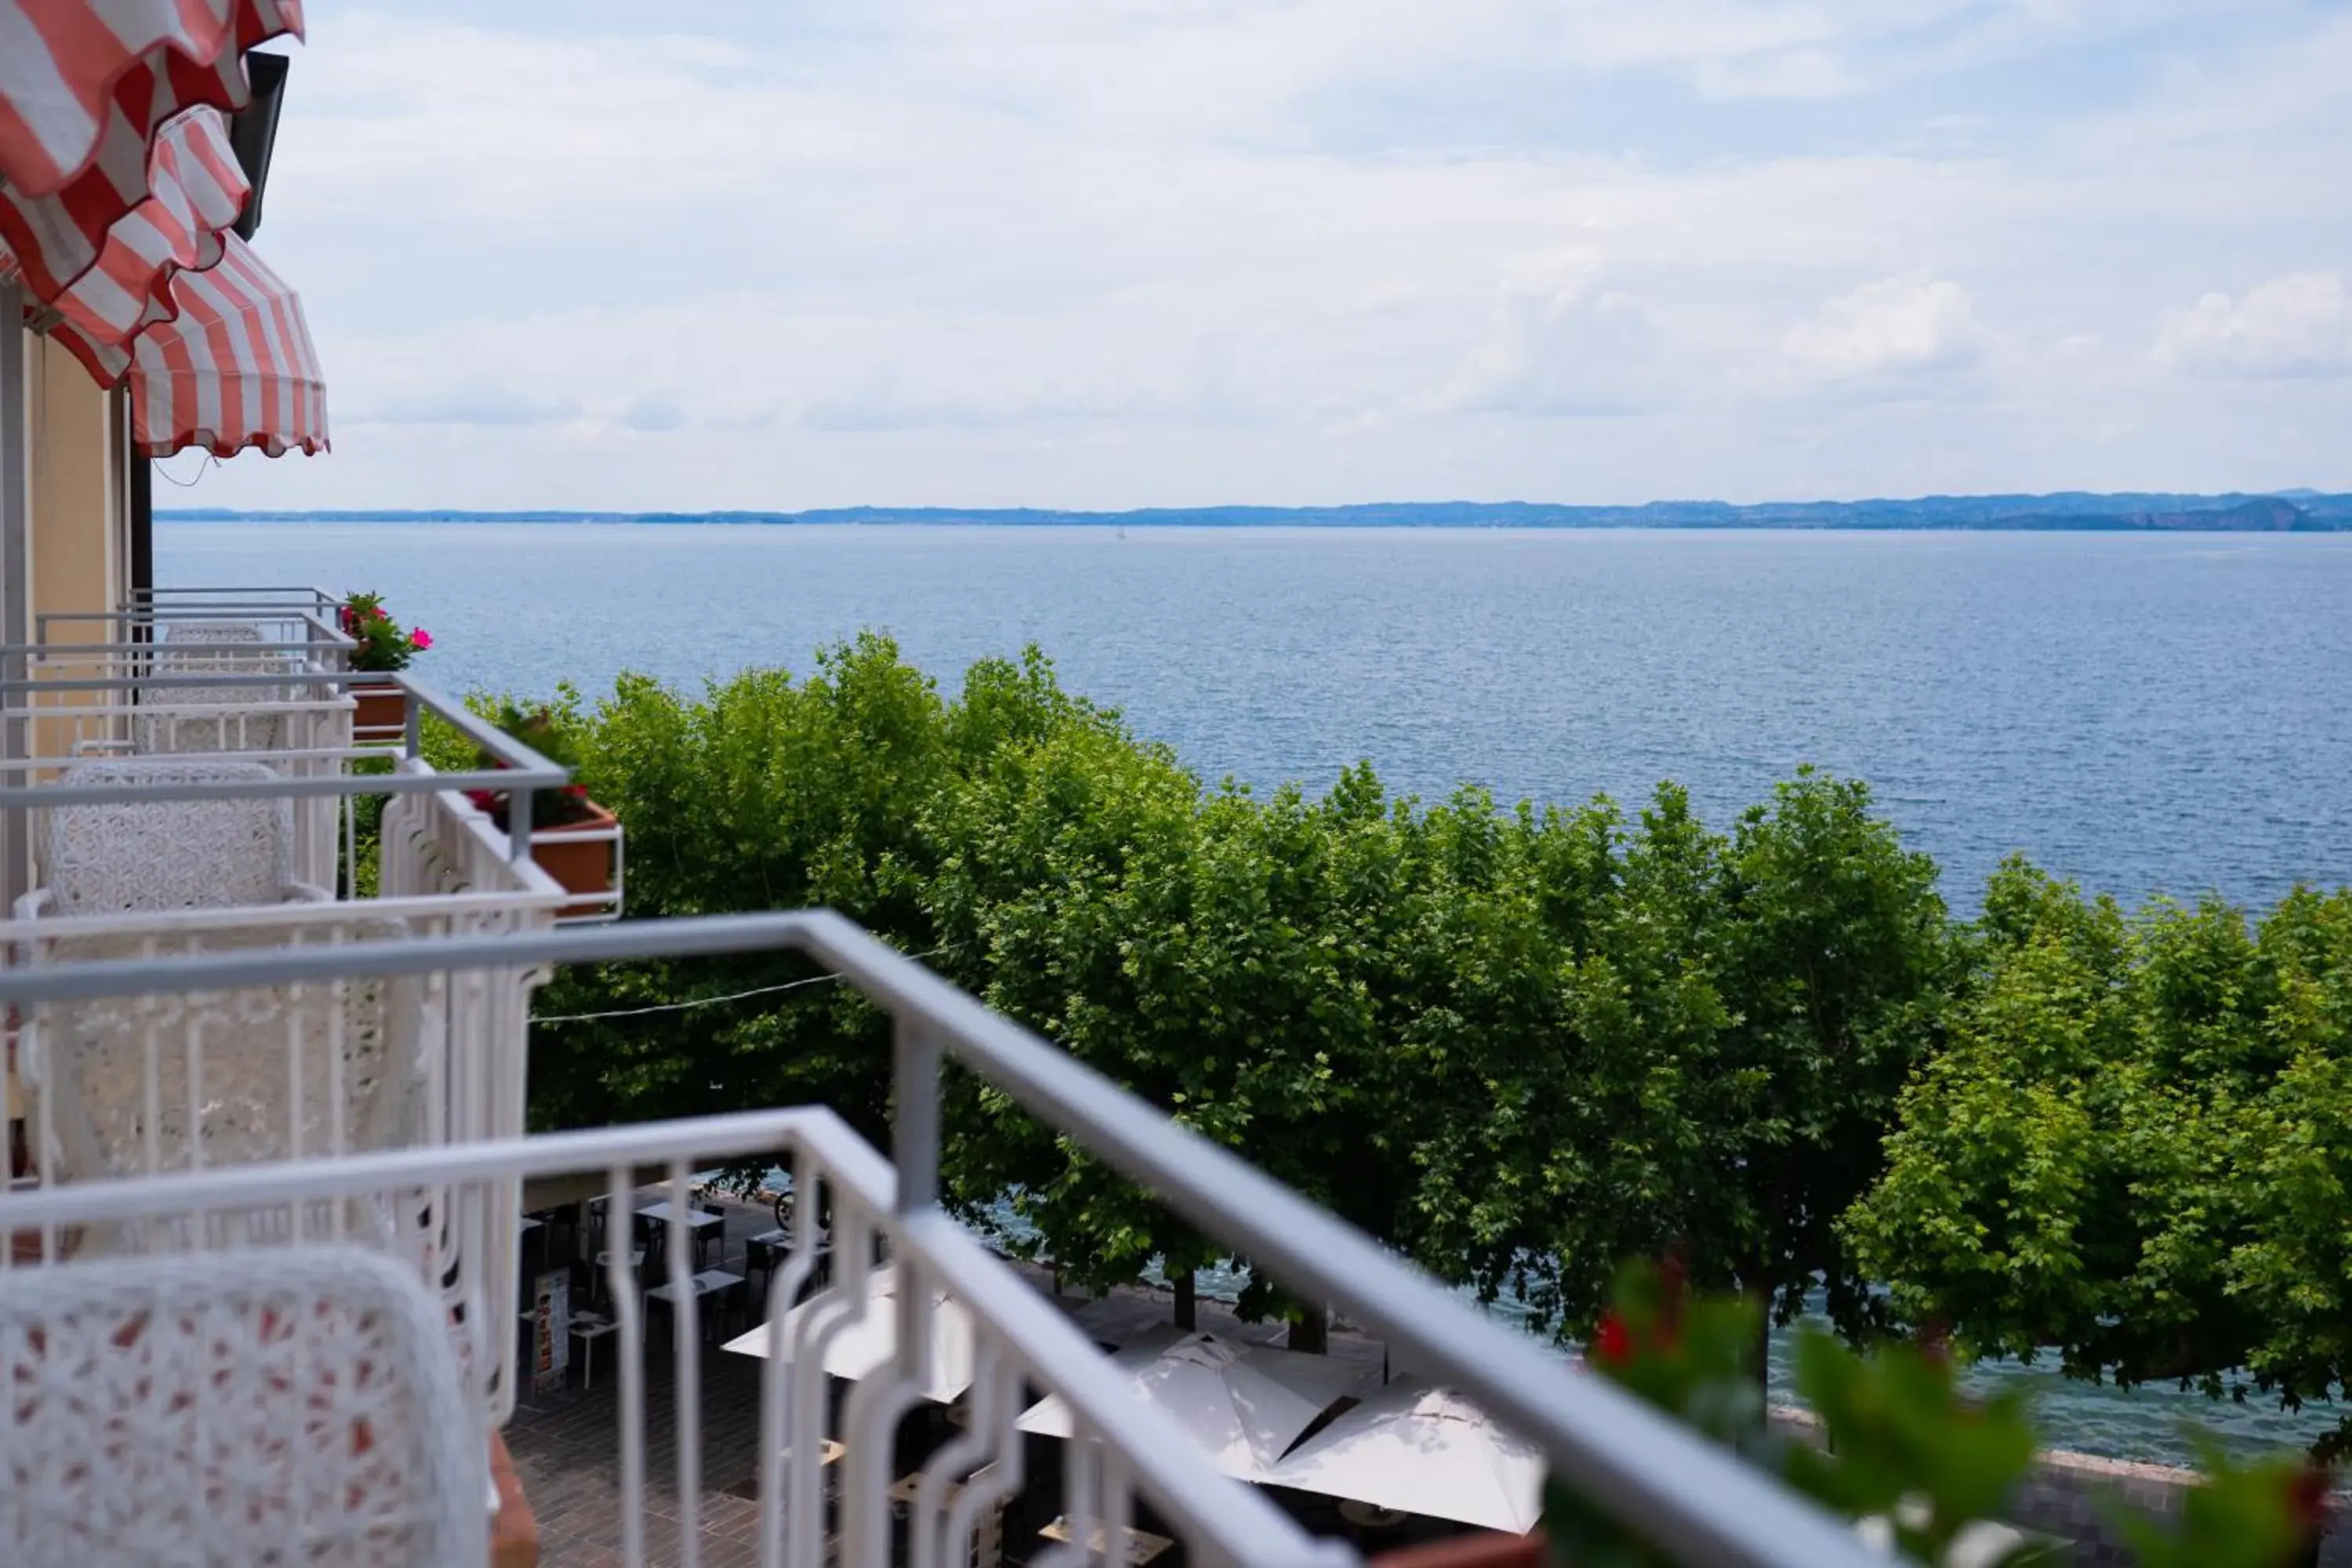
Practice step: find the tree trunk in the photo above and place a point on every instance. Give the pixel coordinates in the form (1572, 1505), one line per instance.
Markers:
(1312, 1332)
(1188, 1314)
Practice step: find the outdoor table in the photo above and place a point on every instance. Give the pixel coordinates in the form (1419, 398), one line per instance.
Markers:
(588, 1328)
(596, 1279)
(767, 1250)
(1142, 1546)
(706, 1224)
(701, 1288)
(764, 1251)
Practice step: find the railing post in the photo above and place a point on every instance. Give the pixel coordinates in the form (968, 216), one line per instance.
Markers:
(915, 1121)
(412, 715)
(519, 826)
(16, 569)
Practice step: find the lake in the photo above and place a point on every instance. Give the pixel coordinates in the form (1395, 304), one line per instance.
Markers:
(2146, 713)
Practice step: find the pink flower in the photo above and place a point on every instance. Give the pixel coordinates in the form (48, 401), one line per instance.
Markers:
(420, 638)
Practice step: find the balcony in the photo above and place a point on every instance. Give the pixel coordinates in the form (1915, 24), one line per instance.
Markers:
(192, 774)
(345, 1377)
(248, 675)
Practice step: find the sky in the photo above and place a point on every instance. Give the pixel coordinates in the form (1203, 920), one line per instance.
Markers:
(1126, 253)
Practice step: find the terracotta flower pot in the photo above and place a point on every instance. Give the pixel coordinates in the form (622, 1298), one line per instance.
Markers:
(1484, 1549)
(580, 856)
(383, 712)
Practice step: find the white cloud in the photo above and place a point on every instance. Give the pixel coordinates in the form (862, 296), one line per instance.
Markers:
(1906, 326)
(1290, 249)
(1562, 345)
(2299, 325)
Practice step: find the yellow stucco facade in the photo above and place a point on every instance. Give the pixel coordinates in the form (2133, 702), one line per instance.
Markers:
(80, 519)
(77, 538)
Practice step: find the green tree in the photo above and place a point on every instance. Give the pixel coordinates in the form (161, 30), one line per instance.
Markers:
(1045, 849)
(1232, 959)
(1836, 963)
(2132, 1151)
(764, 792)
(1710, 1047)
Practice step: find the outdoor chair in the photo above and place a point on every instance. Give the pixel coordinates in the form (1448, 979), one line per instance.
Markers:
(173, 718)
(133, 1086)
(279, 1405)
(212, 632)
(148, 855)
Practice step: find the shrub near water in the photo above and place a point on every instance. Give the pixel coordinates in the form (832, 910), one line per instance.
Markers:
(1518, 1043)
(2136, 1148)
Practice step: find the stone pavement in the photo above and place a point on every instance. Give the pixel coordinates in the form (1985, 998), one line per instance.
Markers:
(566, 1443)
(567, 1454)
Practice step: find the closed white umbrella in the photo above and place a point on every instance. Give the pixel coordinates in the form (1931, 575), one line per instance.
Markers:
(1243, 1404)
(1424, 1450)
(857, 1351)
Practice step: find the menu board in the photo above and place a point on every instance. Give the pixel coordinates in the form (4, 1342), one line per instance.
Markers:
(550, 1329)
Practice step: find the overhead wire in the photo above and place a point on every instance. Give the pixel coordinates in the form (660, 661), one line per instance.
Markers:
(190, 482)
(717, 1001)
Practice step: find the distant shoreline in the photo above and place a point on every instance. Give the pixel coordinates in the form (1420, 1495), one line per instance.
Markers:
(2297, 512)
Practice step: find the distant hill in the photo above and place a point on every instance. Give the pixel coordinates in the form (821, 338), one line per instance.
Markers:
(2298, 512)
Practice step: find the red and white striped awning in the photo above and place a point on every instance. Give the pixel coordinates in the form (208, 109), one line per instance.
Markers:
(84, 86)
(198, 190)
(234, 368)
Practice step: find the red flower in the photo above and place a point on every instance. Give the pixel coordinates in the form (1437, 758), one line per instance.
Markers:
(1612, 1343)
(420, 638)
(576, 791)
(483, 799)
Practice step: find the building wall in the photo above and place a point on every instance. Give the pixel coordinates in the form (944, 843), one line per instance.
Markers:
(78, 526)
(79, 533)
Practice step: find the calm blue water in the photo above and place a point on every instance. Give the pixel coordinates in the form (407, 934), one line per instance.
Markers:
(2146, 714)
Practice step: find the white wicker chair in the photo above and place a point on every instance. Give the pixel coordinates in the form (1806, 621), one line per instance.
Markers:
(210, 632)
(212, 648)
(272, 1406)
(154, 855)
(147, 1086)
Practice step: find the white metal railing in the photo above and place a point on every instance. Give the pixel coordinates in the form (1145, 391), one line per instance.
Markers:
(272, 701)
(1701, 1503)
(263, 670)
(133, 851)
(412, 1204)
(280, 616)
(57, 718)
(210, 598)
